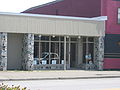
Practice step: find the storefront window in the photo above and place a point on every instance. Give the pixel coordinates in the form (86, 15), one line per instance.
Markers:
(36, 37)
(74, 39)
(84, 39)
(54, 38)
(36, 50)
(90, 39)
(49, 49)
(62, 38)
(45, 38)
(119, 15)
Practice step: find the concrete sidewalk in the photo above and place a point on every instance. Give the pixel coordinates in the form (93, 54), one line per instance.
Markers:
(53, 75)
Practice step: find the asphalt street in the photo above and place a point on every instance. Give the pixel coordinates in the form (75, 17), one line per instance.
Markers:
(73, 84)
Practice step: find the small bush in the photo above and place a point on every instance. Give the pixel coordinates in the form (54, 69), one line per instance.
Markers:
(6, 87)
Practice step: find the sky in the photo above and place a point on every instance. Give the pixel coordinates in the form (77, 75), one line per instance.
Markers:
(17, 6)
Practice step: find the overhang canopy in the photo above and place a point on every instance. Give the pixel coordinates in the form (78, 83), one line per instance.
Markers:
(52, 25)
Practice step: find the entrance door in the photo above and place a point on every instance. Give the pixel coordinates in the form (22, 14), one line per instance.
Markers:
(73, 55)
(73, 52)
(14, 51)
(88, 50)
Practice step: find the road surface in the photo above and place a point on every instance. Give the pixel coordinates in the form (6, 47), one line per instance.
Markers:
(73, 84)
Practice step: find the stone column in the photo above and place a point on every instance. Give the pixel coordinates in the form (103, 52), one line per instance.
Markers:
(3, 51)
(28, 51)
(99, 52)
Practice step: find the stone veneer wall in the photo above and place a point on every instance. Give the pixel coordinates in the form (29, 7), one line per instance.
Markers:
(3, 51)
(99, 52)
(28, 51)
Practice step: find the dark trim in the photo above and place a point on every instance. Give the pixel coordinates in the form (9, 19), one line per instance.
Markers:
(111, 69)
(112, 55)
(112, 34)
(116, 0)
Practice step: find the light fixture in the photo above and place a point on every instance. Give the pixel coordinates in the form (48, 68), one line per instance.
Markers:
(40, 35)
(53, 36)
(119, 43)
(79, 37)
(67, 36)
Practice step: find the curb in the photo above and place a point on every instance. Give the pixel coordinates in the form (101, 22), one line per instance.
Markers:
(59, 78)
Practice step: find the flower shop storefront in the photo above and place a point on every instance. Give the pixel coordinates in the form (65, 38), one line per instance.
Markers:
(64, 52)
(51, 52)
(46, 42)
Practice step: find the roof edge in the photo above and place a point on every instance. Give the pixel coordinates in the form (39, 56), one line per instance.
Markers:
(100, 18)
(49, 3)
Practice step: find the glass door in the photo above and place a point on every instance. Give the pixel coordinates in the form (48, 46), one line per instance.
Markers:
(88, 51)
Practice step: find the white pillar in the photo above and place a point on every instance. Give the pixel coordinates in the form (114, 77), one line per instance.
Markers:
(49, 48)
(59, 50)
(69, 45)
(64, 52)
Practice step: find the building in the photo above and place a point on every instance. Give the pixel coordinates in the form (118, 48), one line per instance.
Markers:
(91, 8)
(39, 42)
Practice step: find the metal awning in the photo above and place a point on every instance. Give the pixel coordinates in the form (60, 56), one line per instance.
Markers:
(51, 24)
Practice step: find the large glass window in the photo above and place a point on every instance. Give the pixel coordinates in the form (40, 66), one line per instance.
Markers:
(119, 15)
(49, 49)
(36, 50)
(44, 38)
